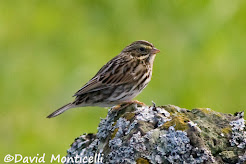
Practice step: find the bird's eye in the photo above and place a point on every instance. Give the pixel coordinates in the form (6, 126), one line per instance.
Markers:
(142, 49)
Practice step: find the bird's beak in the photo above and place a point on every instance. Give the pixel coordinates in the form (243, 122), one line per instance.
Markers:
(154, 51)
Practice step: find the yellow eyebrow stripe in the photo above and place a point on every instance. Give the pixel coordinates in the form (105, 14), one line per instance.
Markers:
(148, 47)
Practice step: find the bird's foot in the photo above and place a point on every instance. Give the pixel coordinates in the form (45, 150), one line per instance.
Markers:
(128, 103)
(120, 106)
(138, 103)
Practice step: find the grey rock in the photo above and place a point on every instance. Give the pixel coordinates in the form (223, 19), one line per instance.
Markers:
(166, 134)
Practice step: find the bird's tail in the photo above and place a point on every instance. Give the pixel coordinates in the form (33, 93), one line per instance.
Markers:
(61, 110)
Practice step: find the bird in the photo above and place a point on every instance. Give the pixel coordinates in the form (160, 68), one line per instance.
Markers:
(119, 80)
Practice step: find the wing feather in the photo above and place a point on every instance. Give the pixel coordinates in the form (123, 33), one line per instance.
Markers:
(111, 74)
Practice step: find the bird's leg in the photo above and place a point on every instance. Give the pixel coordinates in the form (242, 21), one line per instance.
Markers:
(121, 106)
(127, 103)
(138, 103)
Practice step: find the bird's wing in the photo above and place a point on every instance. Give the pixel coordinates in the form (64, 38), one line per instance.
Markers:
(111, 74)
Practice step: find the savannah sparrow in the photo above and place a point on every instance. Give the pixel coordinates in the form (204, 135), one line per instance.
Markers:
(118, 81)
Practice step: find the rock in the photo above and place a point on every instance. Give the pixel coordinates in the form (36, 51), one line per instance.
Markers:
(166, 134)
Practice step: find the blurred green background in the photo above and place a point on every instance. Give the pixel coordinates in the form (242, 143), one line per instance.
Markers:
(49, 49)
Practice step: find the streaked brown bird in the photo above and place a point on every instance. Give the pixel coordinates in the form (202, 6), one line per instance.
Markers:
(118, 81)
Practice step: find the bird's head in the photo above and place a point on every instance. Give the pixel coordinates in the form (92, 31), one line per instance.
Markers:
(142, 50)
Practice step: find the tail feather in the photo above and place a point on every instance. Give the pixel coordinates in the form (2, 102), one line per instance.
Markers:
(60, 110)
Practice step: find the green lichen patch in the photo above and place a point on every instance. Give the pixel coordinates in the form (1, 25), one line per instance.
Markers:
(226, 130)
(114, 133)
(229, 156)
(142, 161)
(205, 110)
(170, 108)
(114, 123)
(179, 122)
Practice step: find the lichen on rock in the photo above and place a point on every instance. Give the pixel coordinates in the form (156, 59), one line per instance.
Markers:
(166, 134)
(238, 137)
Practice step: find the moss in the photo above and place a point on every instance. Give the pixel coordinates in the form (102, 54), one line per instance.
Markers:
(179, 122)
(114, 133)
(226, 130)
(218, 114)
(128, 116)
(229, 156)
(142, 161)
(114, 123)
(205, 110)
(170, 108)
